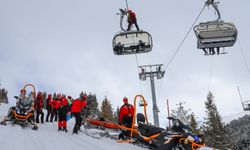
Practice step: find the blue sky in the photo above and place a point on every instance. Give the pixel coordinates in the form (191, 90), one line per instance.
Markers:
(66, 46)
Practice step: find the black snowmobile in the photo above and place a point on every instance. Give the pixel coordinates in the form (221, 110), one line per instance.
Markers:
(178, 137)
(22, 113)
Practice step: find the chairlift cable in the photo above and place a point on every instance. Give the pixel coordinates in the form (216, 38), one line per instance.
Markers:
(127, 4)
(210, 74)
(178, 48)
(244, 57)
(137, 63)
(176, 51)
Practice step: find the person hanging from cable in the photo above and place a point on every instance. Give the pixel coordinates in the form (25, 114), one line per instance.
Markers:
(132, 20)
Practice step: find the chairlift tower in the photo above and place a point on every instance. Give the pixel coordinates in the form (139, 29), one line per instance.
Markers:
(152, 71)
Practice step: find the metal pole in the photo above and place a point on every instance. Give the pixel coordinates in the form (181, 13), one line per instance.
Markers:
(155, 109)
(127, 4)
(240, 97)
(168, 114)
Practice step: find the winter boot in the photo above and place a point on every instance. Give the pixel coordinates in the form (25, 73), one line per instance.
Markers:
(75, 130)
(65, 129)
(59, 129)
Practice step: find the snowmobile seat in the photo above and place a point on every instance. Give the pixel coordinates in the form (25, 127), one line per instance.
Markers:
(149, 130)
(140, 118)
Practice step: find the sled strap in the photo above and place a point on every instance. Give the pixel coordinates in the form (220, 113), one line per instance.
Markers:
(151, 137)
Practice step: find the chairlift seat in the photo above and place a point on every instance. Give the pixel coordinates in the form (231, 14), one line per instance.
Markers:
(215, 34)
(132, 42)
(246, 105)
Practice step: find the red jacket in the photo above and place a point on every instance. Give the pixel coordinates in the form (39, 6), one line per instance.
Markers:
(77, 105)
(64, 102)
(49, 102)
(56, 104)
(126, 109)
(39, 102)
(131, 17)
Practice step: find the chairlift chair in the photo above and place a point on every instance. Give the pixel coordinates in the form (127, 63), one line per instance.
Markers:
(215, 34)
(132, 42)
(246, 105)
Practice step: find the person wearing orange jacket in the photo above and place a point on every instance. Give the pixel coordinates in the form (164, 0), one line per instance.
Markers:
(39, 107)
(62, 113)
(126, 116)
(76, 109)
(132, 20)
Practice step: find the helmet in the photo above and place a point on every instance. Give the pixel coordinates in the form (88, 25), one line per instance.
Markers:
(125, 100)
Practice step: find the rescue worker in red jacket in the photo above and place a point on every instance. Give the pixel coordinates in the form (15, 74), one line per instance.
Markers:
(39, 107)
(62, 113)
(55, 106)
(76, 109)
(132, 20)
(126, 113)
(126, 116)
(49, 108)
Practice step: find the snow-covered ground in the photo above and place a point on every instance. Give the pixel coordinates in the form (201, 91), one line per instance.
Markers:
(14, 137)
(48, 138)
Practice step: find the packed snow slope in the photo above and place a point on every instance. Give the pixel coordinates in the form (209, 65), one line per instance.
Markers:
(14, 137)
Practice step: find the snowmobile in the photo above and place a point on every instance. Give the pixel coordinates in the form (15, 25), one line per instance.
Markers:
(23, 112)
(178, 137)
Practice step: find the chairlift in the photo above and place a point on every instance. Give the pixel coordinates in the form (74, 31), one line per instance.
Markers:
(215, 34)
(245, 104)
(142, 103)
(131, 42)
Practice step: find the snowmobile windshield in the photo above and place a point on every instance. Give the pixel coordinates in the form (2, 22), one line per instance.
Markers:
(24, 103)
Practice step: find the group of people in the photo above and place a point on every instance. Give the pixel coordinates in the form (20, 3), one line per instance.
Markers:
(58, 107)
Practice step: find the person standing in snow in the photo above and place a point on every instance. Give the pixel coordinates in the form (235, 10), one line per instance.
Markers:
(76, 108)
(49, 108)
(39, 107)
(55, 106)
(126, 113)
(126, 116)
(62, 113)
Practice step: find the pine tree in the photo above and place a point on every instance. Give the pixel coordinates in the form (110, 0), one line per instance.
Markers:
(194, 125)
(214, 130)
(92, 106)
(182, 114)
(3, 96)
(117, 115)
(107, 110)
